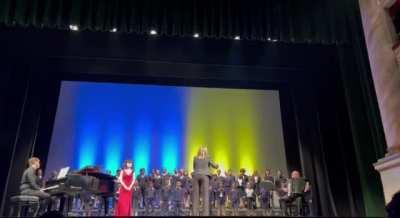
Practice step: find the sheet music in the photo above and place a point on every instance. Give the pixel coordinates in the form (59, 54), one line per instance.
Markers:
(63, 172)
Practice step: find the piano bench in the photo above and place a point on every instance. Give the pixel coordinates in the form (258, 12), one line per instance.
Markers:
(24, 202)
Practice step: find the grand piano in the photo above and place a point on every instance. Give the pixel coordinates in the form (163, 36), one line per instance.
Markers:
(89, 181)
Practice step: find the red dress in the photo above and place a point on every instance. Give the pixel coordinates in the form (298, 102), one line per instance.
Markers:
(124, 205)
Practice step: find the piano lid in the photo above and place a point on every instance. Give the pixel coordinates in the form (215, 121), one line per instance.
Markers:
(89, 169)
(95, 172)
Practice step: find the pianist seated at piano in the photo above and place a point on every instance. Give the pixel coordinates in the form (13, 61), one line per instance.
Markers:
(30, 181)
(295, 188)
(31, 184)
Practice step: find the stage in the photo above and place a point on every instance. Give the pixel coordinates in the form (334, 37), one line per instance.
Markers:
(263, 86)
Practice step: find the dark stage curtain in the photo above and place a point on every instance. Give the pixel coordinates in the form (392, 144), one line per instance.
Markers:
(339, 141)
(339, 148)
(363, 113)
(309, 21)
(26, 104)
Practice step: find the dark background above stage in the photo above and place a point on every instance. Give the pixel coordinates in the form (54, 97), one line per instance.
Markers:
(331, 121)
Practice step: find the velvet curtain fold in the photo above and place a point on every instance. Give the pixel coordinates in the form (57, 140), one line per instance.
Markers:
(300, 21)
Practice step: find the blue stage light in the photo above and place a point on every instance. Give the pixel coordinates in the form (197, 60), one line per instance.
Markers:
(170, 153)
(87, 152)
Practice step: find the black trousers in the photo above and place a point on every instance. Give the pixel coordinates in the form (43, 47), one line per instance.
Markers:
(295, 200)
(203, 181)
(45, 201)
(38, 193)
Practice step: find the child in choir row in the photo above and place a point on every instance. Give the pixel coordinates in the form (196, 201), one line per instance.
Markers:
(234, 198)
(178, 196)
(220, 198)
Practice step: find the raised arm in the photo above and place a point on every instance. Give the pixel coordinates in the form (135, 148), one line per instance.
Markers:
(212, 164)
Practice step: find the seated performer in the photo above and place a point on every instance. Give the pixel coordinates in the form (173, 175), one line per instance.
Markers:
(31, 183)
(295, 189)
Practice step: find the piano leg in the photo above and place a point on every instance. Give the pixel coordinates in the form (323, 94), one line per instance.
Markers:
(65, 205)
(69, 204)
(62, 203)
(105, 201)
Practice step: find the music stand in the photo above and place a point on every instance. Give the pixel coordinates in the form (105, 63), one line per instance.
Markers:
(63, 172)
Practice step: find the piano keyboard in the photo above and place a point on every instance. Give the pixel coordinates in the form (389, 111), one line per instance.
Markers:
(50, 187)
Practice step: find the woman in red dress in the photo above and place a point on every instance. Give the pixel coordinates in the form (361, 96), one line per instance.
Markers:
(127, 180)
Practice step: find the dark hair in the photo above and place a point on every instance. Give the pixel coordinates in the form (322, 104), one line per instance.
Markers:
(393, 207)
(126, 164)
(255, 173)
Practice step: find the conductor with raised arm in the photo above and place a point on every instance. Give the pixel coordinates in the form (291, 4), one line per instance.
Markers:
(201, 178)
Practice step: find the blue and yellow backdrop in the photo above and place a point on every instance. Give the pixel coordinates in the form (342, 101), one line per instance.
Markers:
(163, 126)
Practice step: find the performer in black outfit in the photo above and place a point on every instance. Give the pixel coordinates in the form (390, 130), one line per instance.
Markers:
(142, 180)
(201, 164)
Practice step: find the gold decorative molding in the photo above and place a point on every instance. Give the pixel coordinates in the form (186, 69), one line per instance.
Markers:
(394, 149)
(390, 161)
(386, 3)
